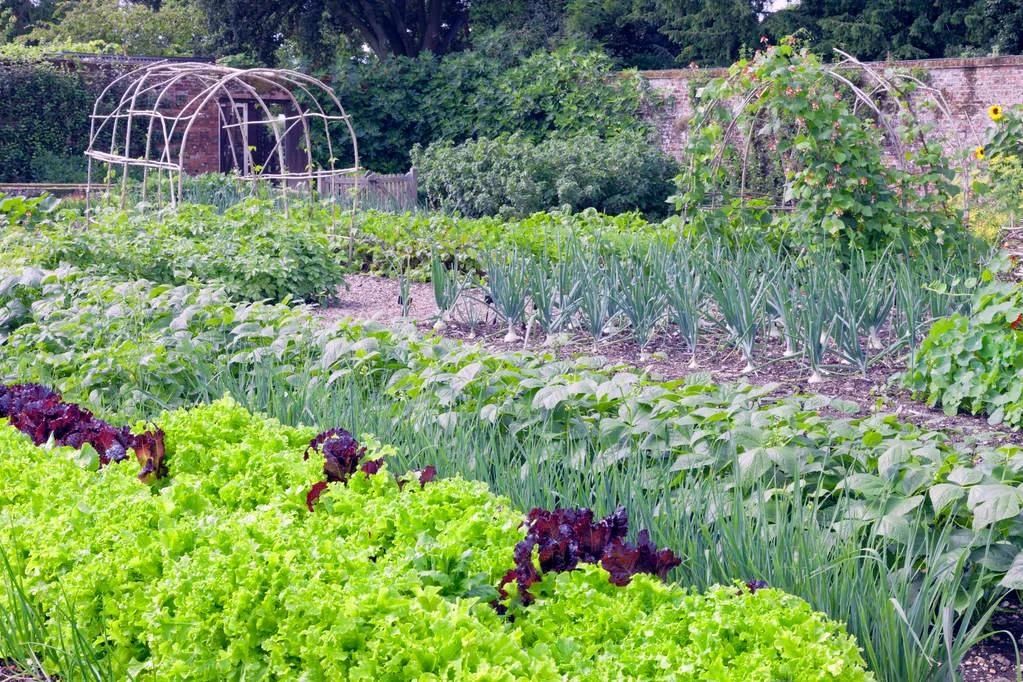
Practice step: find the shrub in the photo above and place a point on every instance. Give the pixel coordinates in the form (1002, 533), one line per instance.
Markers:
(514, 176)
(491, 91)
(221, 572)
(974, 363)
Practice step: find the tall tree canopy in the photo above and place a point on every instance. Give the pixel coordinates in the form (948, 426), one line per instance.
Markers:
(402, 28)
(634, 33)
(900, 29)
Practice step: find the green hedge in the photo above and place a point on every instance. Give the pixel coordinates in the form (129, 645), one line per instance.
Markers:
(515, 176)
(221, 572)
(44, 123)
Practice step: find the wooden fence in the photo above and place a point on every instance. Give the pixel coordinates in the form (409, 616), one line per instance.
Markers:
(391, 192)
(34, 189)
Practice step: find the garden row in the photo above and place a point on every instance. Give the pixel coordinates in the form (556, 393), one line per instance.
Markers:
(584, 274)
(219, 570)
(736, 481)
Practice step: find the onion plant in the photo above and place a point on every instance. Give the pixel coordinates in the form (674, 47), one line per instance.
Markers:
(405, 294)
(595, 304)
(911, 624)
(781, 297)
(814, 315)
(508, 285)
(554, 296)
(447, 287)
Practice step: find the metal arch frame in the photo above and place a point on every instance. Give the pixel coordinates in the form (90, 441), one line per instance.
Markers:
(124, 116)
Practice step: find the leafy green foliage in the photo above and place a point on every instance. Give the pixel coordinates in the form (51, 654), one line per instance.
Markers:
(886, 29)
(830, 657)
(839, 186)
(249, 250)
(44, 115)
(137, 344)
(1000, 177)
(389, 243)
(172, 28)
(974, 363)
(514, 177)
(224, 572)
(398, 103)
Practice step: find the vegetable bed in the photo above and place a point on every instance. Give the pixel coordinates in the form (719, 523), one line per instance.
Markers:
(242, 562)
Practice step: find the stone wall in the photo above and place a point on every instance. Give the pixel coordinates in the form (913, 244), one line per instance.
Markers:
(969, 86)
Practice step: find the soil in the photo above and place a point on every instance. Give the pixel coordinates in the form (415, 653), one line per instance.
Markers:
(12, 674)
(994, 659)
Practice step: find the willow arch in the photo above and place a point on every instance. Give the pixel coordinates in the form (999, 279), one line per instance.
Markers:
(166, 118)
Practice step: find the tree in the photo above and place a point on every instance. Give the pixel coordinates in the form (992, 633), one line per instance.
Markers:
(17, 17)
(881, 29)
(627, 29)
(708, 32)
(176, 28)
(404, 28)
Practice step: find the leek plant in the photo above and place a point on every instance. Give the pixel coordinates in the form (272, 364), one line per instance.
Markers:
(782, 298)
(447, 288)
(595, 304)
(814, 318)
(684, 293)
(508, 286)
(872, 292)
(739, 288)
(554, 296)
(637, 287)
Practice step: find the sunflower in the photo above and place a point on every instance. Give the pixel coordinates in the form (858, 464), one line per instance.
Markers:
(995, 112)
(978, 153)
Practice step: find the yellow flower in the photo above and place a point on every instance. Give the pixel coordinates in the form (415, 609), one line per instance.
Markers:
(995, 113)
(978, 153)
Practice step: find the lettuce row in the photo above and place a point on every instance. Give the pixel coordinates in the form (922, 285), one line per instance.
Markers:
(219, 571)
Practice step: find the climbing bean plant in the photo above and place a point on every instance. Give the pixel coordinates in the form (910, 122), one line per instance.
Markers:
(858, 170)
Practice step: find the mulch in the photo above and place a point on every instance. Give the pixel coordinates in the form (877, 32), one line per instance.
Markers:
(9, 673)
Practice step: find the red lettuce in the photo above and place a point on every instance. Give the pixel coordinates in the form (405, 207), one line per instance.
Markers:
(341, 454)
(42, 414)
(343, 457)
(565, 538)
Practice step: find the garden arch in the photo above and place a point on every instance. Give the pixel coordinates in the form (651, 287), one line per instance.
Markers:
(178, 118)
(890, 97)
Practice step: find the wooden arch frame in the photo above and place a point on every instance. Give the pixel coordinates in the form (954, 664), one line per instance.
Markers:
(138, 109)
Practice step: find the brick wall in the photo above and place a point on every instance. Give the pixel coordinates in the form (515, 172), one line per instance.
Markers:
(968, 85)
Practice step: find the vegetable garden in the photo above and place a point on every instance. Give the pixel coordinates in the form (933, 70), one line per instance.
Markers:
(203, 476)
